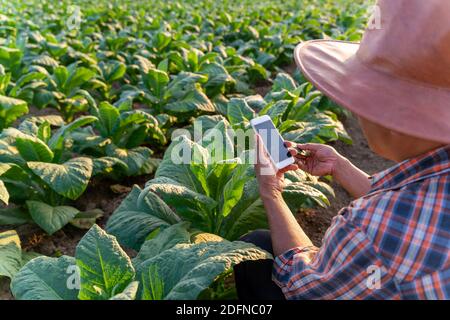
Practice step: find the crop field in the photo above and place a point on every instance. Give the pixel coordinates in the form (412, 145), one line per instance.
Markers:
(93, 204)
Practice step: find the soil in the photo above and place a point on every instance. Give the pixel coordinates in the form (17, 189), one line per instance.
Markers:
(107, 195)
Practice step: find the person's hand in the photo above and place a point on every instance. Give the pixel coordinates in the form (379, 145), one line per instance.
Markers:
(271, 181)
(321, 160)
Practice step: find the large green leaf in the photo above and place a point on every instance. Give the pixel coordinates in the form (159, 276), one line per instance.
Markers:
(57, 139)
(113, 71)
(239, 111)
(218, 77)
(193, 103)
(106, 165)
(247, 215)
(49, 218)
(4, 194)
(135, 116)
(206, 123)
(26, 79)
(219, 143)
(5, 78)
(78, 77)
(187, 269)
(9, 136)
(69, 179)
(161, 40)
(176, 164)
(43, 98)
(299, 195)
(60, 75)
(184, 82)
(187, 204)
(27, 256)
(199, 167)
(28, 128)
(86, 219)
(10, 253)
(56, 49)
(45, 278)
(4, 167)
(85, 140)
(13, 171)
(14, 216)
(156, 81)
(218, 175)
(105, 269)
(10, 57)
(129, 293)
(233, 189)
(34, 149)
(137, 216)
(135, 158)
(165, 239)
(153, 285)
(278, 111)
(44, 60)
(149, 166)
(10, 110)
(9, 153)
(52, 119)
(108, 115)
(283, 81)
(256, 102)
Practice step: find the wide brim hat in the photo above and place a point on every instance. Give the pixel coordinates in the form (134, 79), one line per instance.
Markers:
(398, 76)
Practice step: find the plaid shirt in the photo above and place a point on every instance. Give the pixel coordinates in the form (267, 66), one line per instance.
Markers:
(398, 234)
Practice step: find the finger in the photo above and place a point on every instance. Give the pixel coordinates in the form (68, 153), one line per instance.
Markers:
(293, 152)
(309, 146)
(301, 164)
(302, 156)
(291, 167)
(289, 144)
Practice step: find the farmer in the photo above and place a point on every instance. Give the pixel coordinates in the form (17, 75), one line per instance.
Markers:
(393, 241)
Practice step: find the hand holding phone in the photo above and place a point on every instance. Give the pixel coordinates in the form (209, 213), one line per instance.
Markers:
(273, 142)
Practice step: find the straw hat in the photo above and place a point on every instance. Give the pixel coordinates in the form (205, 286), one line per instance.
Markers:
(398, 76)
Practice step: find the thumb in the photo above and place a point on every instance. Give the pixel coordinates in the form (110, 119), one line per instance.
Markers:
(262, 157)
(309, 146)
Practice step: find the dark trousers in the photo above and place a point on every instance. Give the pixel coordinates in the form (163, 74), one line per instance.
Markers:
(254, 278)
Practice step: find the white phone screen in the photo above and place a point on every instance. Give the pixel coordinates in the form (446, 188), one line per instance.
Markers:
(273, 141)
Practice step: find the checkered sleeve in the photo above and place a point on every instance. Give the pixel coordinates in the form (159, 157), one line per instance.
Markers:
(345, 267)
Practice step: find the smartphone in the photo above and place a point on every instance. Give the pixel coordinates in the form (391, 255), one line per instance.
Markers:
(273, 142)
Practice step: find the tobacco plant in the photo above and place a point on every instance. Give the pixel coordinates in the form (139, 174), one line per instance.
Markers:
(217, 196)
(172, 265)
(40, 175)
(119, 139)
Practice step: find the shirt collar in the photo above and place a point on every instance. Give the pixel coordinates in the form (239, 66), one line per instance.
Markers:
(430, 163)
